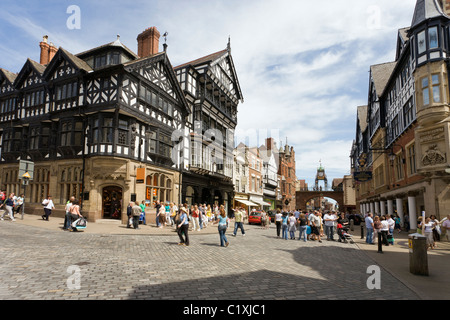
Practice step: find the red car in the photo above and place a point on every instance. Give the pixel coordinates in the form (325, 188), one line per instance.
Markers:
(254, 217)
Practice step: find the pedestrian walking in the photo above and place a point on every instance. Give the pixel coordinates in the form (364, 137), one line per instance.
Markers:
(48, 207)
(9, 206)
(263, 219)
(162, 216)
(157, 207)
(329, 219)
(195, 218)
(436, 229)
(384, 230)
(129, 216)
(278, 221)
(427, 227)
(223, 224)
(376, 227)
(136, 212)
(18, 203)
(315, 223)
(183, 227)
(303, 225)
(238, 222)
(67, 216)
(284, 226)
(398, 226)
(445, 224)
(142, 205)
(173, 214)
(369, 229)
(292, 227)
(75, 213)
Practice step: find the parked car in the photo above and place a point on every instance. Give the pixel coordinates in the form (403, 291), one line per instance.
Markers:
(254, 217)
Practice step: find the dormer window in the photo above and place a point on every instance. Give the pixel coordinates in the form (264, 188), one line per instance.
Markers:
(106, 59)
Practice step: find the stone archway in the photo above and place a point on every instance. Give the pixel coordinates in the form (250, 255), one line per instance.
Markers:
(302, 197)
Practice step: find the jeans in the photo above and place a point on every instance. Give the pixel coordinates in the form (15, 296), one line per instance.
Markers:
(292, 234)
(369, 236)
(329, 230)
(303, 231)
(143, 218)
(284, 228)
(67, 220)
(223, 238)
(238, 225)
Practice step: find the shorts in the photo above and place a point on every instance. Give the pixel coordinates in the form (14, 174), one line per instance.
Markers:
(315, 230)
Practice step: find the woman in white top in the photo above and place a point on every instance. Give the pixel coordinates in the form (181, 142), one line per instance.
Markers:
(427, 228)
(278, 219)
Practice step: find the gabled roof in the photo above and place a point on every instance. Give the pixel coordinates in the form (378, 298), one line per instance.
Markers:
(426, 9)
(204, 60)
(10, 76)
(63, 54)
(29, 66)
(211, 60)
(362, 118)
(381, 74)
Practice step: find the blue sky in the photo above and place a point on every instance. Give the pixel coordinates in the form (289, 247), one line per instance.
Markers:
(302, 65)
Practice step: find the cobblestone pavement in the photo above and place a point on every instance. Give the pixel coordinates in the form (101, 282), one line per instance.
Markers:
(36, 265)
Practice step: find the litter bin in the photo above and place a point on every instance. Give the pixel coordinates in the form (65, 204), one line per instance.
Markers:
(418, 259)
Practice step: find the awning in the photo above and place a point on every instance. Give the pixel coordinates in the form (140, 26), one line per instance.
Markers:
(247, 203)
(262, 203)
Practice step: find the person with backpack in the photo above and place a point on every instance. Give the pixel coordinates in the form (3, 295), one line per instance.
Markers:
(48, 207)
(9, 205)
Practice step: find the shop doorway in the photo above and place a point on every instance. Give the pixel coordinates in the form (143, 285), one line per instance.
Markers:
(112, 202)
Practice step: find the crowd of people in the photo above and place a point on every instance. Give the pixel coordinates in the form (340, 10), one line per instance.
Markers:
(383, 227)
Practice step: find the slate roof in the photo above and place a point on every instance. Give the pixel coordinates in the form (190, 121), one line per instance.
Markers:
(426, 9)
(381, 74)
(362, 117)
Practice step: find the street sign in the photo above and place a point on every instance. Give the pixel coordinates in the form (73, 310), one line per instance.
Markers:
(24, 167)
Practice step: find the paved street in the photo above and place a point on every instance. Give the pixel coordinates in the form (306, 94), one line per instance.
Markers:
(36, 264)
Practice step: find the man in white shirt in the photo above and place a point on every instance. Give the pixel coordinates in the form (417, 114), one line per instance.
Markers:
(48, 207)
(329, 221)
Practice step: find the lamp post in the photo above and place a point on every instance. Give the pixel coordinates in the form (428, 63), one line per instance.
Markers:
(25, 180)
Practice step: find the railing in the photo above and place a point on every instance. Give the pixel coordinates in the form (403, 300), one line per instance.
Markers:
(319, 189)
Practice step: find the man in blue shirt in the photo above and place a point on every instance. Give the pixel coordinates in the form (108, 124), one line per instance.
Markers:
(369, 229)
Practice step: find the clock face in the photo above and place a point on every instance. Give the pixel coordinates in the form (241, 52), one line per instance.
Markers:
(320, 174)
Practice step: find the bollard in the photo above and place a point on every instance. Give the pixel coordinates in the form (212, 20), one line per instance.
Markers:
(362, 230)
(380, 243)
(418, 258)
(352, 223)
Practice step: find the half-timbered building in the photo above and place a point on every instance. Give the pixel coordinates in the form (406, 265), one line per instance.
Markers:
(98, 125)
(213, 93)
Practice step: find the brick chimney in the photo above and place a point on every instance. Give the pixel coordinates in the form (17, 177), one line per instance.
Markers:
(48, 51)
(45, 51)
(148, 42)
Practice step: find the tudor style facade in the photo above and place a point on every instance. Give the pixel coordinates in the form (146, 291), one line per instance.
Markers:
(403, 133)
(213, 93)
(105, 125)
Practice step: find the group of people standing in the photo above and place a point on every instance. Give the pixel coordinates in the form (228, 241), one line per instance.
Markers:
(311, 225)
(10, 205)
(73, 213)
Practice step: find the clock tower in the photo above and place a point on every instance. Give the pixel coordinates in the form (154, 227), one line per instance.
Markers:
(321, 176)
